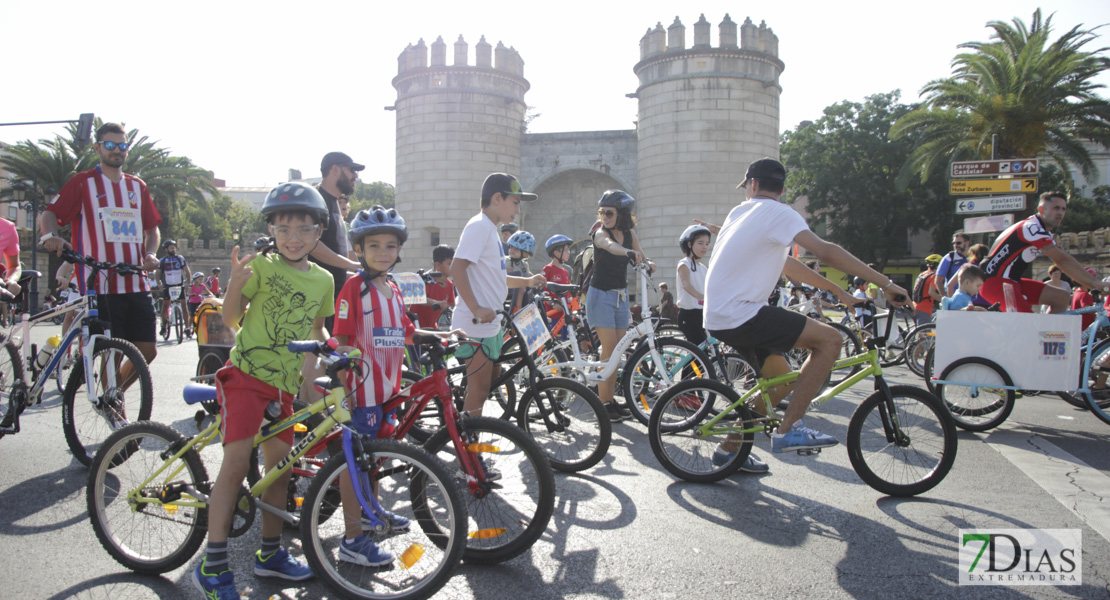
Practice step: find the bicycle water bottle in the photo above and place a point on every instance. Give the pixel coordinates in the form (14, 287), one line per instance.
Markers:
(48, 350)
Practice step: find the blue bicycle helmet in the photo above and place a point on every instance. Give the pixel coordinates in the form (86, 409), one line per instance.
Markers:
(555, 241)
(522, 240)
(295, 196)
(617, 199)
(377, 219)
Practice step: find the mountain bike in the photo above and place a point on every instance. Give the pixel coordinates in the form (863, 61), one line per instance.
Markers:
(175, 323)
(901, 440)
(118, 387)
(148, 495)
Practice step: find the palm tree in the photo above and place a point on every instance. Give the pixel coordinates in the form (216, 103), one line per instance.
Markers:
(1037, 95)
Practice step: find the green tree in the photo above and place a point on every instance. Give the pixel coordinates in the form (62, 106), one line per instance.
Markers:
(366, 195)
(1037, 94)
(846, 165)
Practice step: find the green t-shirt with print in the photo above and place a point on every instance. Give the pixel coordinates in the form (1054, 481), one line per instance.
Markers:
(283, 305)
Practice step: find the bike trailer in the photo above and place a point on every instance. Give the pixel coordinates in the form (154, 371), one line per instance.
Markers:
(208, 322)
(1039, 352)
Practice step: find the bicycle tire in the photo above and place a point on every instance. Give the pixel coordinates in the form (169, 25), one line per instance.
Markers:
(11, 371)
(411, 483)
(156, 538)
(918, 348)
(178, 323)
(930, 357)
(675, 441)
(642, 381)
(86, 426)
(849, 346)
(65, 365)
(913, 466)
(1098, 403)
(210, 362)
(977, 408)
(512, 512)
(1080, 400)
(575, 432)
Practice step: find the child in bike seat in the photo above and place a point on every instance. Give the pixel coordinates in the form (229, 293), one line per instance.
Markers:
(289, 298)
(370, 315)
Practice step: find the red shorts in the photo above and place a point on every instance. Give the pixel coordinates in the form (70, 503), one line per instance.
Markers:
(1026, 292)
(243, 402)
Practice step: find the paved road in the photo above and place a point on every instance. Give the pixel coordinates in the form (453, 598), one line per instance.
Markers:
(626, 529)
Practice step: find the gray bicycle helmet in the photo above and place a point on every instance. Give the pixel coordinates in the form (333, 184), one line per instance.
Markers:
(295, 196)
(377, 219)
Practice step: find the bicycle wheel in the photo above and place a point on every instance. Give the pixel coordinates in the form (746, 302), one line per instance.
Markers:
(912, 460)
(429, 420)
(738, 372)
(178, 323)
(11, 371)
(674, 433)
(918, 348)
(509, 514)
(210, 362)
(65, 365)
(1100, 397)
(643, 380)
(568, 421)
(410, 483)
(976, 400)
(930, 356)
(87, 423)
(849, 346)
(136, 528)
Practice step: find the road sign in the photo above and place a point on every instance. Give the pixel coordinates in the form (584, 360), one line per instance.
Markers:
(992, 186)
(988, 168)
(990, 204)
(987, 224)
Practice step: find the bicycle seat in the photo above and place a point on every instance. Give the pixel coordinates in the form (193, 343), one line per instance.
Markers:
(195, 393)
(27, 276)
(562, 288)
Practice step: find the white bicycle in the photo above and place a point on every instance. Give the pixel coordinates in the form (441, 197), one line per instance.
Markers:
(175, 323)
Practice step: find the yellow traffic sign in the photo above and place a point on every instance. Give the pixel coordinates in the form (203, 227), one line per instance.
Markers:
(992, 186)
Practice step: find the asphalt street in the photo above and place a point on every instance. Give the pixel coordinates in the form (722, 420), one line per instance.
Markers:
(626, 529)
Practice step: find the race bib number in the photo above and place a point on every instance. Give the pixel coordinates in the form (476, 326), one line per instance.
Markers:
(389, 337)
(412, 288)
(175, 293)
(121, 225)
(531, 326)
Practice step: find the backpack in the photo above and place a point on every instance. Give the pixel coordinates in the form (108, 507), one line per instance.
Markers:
(588, 260)
(919, 294)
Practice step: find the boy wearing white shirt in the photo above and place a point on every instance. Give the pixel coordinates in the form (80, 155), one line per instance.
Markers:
(482, 282)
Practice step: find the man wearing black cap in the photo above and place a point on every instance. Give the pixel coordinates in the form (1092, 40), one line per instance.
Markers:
(340, 173)
(749, 257)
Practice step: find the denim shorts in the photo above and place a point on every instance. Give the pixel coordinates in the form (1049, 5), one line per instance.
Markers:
(607, 308)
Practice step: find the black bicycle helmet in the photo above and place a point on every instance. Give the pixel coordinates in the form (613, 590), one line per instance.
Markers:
(168, 243)
(510, 227)
(617, 199)
(296, 196)
(377, 219)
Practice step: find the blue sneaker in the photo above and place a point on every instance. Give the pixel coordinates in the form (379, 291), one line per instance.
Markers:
(363, 551)
(220, 586)
(280, 564)
(397, 522)
(752, 465)
(800, 437)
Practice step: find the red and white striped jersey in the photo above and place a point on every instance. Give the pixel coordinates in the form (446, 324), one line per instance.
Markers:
(109, 219)
(377, 326)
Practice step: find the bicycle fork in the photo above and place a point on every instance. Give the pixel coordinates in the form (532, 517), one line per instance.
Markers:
(888, 413)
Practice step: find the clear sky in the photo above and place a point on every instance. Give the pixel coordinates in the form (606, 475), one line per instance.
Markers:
(251, 89)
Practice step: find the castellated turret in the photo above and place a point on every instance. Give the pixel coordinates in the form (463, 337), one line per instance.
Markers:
(456, 124)
(705, 112)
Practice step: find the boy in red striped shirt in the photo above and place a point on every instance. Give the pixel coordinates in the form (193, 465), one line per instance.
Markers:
(370, 315)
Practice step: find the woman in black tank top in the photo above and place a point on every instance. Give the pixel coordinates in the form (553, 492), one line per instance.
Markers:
(607, 297)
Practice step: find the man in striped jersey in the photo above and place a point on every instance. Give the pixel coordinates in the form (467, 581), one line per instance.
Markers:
(114, 220)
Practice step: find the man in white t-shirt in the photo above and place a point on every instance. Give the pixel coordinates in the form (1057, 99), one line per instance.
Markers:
(750, 257)
(482, 282)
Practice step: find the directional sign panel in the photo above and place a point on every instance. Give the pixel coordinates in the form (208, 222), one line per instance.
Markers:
(992, 186)
(989, 168)
(987, 224)
(990, 204)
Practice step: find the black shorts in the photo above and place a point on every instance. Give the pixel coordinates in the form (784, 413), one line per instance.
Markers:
(772, 330)
(131, 316)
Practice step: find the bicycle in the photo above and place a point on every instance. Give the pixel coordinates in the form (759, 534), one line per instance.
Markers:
(175, 323)
(108, 402)
(893, 352)
(901, 440)
(148, 492)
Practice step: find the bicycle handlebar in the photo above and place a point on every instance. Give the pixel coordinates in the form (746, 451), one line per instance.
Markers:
(120, 267)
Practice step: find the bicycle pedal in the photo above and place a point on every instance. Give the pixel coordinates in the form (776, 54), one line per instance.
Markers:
(809, 451)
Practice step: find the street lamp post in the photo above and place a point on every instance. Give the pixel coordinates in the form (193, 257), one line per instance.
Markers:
(28, 190)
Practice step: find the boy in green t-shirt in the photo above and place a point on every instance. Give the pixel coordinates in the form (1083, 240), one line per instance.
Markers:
(289, 298)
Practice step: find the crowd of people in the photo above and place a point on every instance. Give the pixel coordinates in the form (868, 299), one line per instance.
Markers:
(328, 276)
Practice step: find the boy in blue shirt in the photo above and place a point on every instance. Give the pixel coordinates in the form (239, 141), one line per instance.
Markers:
(971, 279)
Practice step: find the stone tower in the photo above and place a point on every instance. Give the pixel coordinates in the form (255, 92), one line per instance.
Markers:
(705, 112)
(455, 124)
